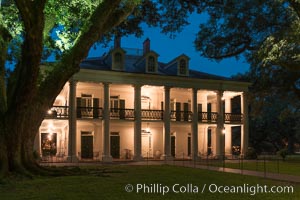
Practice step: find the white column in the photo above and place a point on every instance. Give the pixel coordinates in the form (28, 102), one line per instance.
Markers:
(220, 137)
(204, 103)
(106, 157)
(72, 150)
(195, 125)
(137, 124)
(167, 126)
(202, 132)
(228, 134)
(228, 140)
(245, 126)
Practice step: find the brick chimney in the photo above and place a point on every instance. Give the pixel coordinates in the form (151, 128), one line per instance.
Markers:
(146, 46)
(117, 42)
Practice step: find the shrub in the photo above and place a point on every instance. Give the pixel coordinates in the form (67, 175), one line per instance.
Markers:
(282, 153)
(251, 153)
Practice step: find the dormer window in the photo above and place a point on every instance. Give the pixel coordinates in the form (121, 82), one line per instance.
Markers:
(182, 67)
(118, 57)
(151, 64)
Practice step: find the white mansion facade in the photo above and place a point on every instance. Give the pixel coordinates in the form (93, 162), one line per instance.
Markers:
(128, 105)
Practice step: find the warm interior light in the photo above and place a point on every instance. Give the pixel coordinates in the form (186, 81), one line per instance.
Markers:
(49, 136)
(49, 112)
(148, 129)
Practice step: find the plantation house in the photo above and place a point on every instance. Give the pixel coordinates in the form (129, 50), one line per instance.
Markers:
(128, 105)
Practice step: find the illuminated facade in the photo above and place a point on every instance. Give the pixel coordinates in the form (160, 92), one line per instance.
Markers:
(127, 105)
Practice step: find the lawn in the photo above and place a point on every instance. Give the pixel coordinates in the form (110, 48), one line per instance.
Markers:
(289, 166)
(277, 166)
(111, 185)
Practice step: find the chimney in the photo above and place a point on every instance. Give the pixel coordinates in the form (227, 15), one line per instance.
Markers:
(146, 46)
(117, 42)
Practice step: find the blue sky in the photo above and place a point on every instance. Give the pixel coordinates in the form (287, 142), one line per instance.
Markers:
(168, 49)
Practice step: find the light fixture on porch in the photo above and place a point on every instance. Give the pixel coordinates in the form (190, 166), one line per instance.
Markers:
(49, 111)
(223, 131)
(49, 136)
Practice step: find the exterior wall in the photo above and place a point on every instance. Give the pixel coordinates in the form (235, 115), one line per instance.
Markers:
(156, 130)
(181, 131)
(125, 130)
(96, 131)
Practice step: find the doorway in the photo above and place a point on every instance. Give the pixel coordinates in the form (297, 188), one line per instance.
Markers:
(147, 145)
(49, 144)
(173, 145)
(86, 146)
(209, 148)
(115, 146)
(189, 145)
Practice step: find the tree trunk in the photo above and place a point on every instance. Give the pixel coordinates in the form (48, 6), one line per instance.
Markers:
(3, 155)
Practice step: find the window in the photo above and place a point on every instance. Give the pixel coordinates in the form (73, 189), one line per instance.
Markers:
(182, 67)
(118, 61)
(114, 105)
(151, 64)
(86, 105)
(118, 58)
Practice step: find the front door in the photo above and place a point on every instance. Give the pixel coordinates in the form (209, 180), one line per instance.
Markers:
(115, 146)
(189, 145)
(173, 141)
(209, 150)
(146, 145)
(87, 147)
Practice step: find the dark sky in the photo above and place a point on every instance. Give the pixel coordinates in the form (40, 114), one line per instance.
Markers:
(168, 49)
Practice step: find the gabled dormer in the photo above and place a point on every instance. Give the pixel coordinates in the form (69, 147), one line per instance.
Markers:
(149, 61)
(118, 59)
(183, 65)
(117, 56)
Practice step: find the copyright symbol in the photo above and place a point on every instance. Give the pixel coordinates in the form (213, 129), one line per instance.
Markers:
(129, 188)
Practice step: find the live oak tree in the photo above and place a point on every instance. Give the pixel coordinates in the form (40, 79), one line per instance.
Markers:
(274, 108)
(33, 30)
(26, 93)
(267, 34)
(267, 30)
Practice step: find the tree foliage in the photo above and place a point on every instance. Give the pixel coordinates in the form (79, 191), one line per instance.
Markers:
(268, 30)
(274, 108)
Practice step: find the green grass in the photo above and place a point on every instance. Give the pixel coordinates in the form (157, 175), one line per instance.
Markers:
(282, 167)
(111, 186)
(291, 167)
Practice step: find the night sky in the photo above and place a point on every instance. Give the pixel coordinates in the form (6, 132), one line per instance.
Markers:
(168, 49)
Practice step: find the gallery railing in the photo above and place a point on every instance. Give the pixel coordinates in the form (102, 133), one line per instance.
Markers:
(122, 113)
(62, 112)
(89, 112)
(55, 112)
(152, 114)
(233, 118)
(207, 117)
(181, 116)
